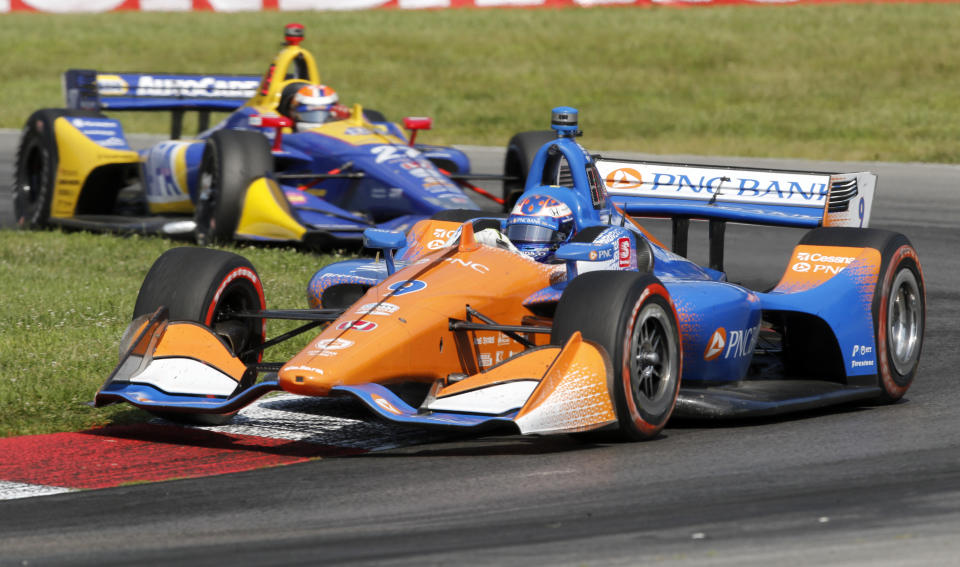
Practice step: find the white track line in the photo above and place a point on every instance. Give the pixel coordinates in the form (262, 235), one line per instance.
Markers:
(13, 490)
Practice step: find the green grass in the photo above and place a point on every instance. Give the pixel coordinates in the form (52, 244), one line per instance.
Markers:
(874, 82)
(67, 300)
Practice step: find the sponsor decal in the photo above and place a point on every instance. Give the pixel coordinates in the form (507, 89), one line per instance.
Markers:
(332, 344)
(87, 123)
(358, 325)
(377, 309)
(391, 153)
(386, 405)
(440, 238)
(711, 184)
(624, 178)
(486, 359)
(406, 286)
(716, 345)
(817, 257)
(112, 85)
(623, 245)
(861, 350)
(202, 87)
(503, 339)
(479, 268)
(296, 197)
(737, 343)
(357, 131)
(818, 263)
(386, 193)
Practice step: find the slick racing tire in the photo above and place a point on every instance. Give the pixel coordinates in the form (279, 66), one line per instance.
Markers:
(631, 316)
(36, 166)
(898, 306)
(232, 159)
(521, 150)
(204, 286)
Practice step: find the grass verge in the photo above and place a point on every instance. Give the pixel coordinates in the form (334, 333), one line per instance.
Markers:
(68, 298)
(844, 82)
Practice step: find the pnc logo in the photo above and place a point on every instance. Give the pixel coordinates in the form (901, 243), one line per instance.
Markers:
(624, 178)
(716, 345)
(801, 267)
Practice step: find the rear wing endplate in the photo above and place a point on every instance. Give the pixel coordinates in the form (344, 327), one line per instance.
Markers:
(718, 194)
(176, 93)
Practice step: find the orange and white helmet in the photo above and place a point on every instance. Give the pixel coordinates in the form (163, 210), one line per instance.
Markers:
(312, 105)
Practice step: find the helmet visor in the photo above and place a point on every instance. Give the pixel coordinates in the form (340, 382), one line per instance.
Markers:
(313, 114)
(532, 233)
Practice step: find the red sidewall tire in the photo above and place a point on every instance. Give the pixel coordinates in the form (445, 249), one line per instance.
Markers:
(648, 425)
(895, 384)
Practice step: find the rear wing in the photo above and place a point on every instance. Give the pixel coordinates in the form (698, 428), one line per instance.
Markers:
(94, 90)
(745, 195)
(753, 196)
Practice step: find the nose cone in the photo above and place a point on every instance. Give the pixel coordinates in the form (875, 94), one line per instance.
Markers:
(400, 330)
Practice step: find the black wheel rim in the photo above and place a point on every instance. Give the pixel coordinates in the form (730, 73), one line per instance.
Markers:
(241, 333)
(652, 363)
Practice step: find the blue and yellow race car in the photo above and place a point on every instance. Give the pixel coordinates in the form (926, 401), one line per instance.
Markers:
(270, 171)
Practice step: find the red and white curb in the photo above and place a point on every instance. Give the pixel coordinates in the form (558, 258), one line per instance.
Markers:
(277, 430)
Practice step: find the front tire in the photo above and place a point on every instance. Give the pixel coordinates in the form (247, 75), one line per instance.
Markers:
(232, 159)
(631, 316)
(898, 306)
(204, 286)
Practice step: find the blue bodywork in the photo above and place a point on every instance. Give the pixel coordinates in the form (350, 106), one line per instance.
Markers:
(707, 306)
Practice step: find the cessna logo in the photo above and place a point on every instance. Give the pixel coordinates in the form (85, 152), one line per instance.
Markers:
(717, 342)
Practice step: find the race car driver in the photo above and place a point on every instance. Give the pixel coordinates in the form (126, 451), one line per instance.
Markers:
(538, 225)
(310, 106)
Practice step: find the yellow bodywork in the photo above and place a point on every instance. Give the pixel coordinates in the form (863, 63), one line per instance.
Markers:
(266, 214)
(74, 166)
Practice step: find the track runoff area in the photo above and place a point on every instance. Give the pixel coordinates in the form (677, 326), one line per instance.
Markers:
(277, 430)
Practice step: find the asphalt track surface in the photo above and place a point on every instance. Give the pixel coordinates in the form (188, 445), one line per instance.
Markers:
(845, 486)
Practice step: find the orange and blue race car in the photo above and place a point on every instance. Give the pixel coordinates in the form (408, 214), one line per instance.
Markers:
(564, 316)
(288, 164)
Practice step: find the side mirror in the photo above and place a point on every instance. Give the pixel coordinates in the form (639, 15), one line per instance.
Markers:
(272, 121)
(386, 240)
(415, 124)
(585, 252)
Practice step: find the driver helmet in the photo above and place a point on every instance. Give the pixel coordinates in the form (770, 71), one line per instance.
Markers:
(314, 105)
(538, 225)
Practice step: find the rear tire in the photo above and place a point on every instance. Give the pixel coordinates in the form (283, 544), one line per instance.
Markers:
(203, 285)
(36, 167)
(899, 302)
(631, 316)
(521, 150)
(232, 159)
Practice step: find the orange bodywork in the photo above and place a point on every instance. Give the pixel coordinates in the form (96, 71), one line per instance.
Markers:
(413, 341)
